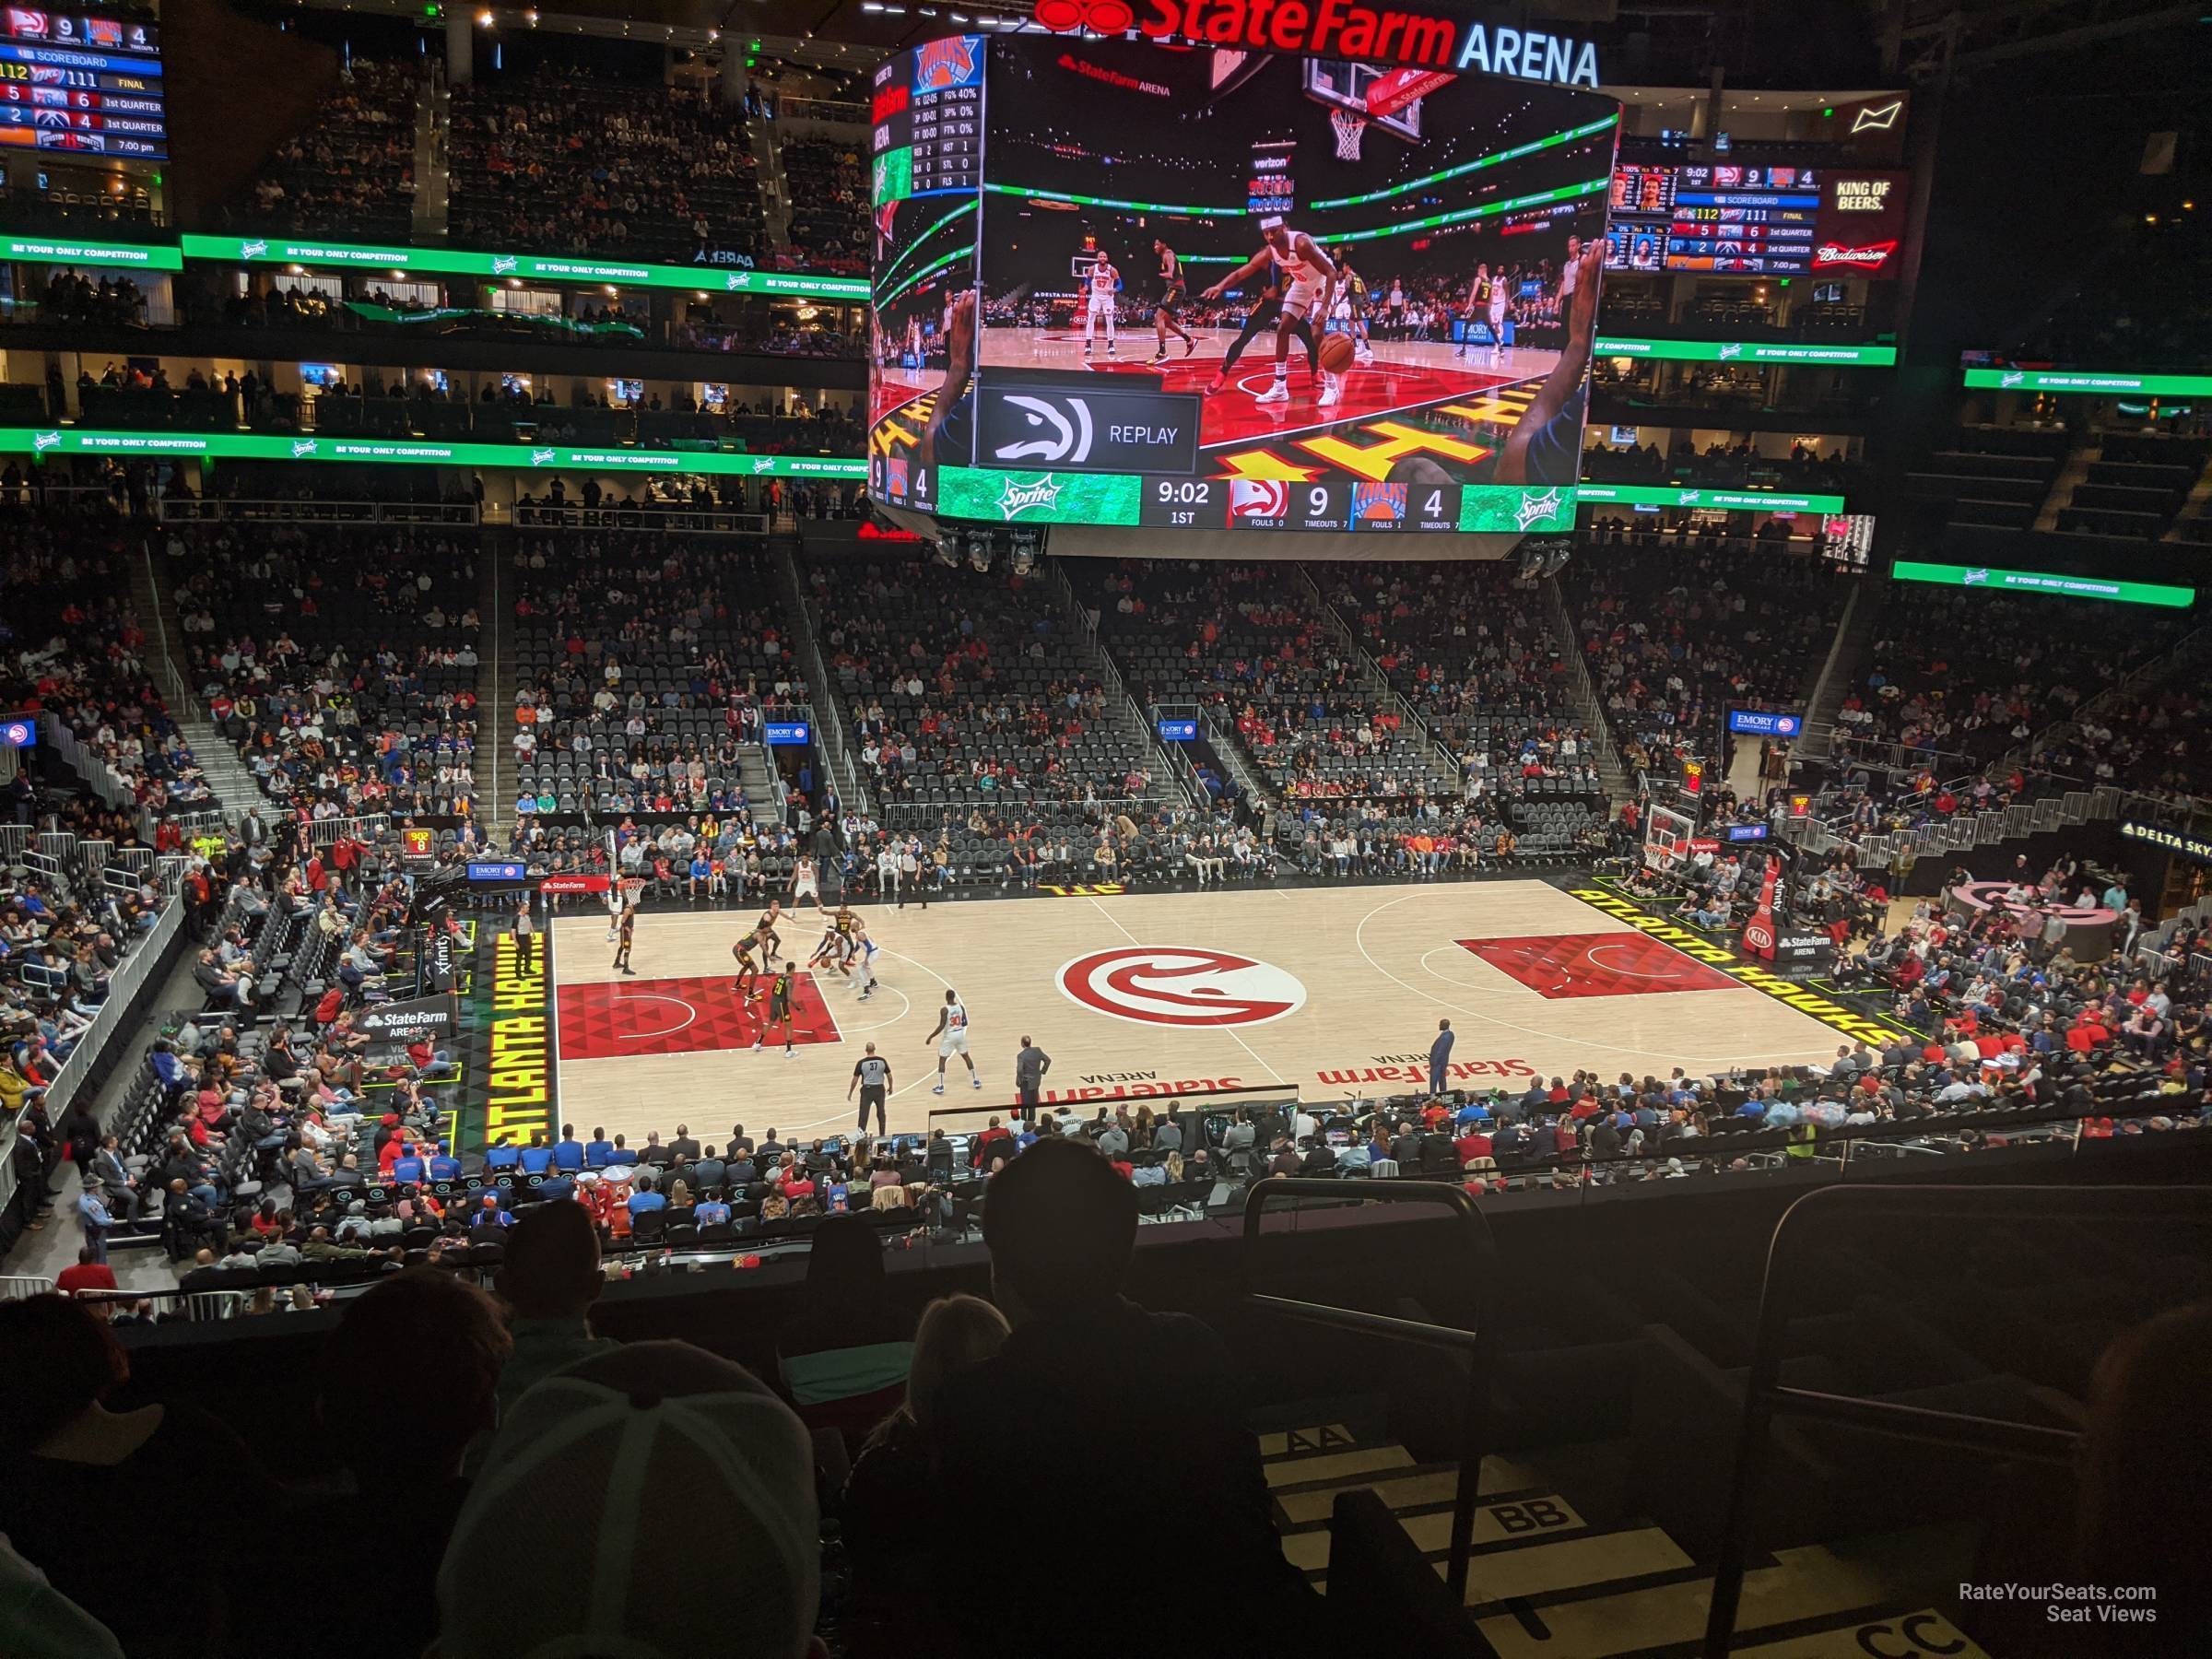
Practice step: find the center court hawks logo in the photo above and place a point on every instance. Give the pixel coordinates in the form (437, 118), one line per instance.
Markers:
(1182, 985)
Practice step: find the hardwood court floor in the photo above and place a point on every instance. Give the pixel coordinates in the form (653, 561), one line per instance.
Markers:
(1337, 990)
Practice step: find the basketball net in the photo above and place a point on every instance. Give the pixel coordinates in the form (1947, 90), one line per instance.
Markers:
(1350, 125)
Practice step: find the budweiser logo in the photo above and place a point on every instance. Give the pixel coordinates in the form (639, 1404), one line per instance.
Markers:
(1872, 257)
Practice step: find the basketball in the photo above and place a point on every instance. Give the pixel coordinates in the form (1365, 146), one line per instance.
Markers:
(1336, 354)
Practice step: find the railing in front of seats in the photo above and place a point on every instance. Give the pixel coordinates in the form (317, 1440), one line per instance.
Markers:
(1480, 1345)
(1765, 1396)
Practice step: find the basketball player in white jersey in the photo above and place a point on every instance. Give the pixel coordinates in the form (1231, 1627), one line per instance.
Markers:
(1501, 287)
(1312, 281)
(805, 884)
(864, 956)
(1099, 291)
(951, 1038)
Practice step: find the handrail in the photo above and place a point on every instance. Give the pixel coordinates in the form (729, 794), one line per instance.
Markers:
(824, 694)
(1110, 675)
(1571, 643)
(1765, 1396)
(1479, 1345)
(1444, 764)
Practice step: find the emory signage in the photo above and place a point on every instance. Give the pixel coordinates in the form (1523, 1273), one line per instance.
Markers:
(1339, 29)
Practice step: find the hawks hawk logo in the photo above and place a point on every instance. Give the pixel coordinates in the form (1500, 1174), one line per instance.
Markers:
(1182, 985)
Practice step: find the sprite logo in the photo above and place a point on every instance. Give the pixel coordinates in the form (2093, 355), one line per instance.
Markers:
(1019, 497)
(763, 464)
(252, 250)
(1731, 351)
(501, 264)
(1975, 578)
(302, 448)
(42, 441)
(1689, 498)
(1534, 508)
(732, 283)
(2013, 379)
(541, 457)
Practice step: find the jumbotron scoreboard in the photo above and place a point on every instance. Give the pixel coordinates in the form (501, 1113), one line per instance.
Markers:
(1217, 292)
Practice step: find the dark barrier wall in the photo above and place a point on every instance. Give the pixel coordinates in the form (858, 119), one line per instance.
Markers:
(256, 1372)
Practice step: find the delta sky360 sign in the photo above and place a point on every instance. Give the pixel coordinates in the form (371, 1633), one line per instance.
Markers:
(1338, 29)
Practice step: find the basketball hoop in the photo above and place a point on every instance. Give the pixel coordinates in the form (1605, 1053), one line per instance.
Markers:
(1350, 125)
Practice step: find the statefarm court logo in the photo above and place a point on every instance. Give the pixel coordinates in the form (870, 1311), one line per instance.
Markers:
(1182, 985)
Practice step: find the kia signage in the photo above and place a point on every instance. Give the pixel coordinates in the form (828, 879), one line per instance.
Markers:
(1764, 723)
(788, 733)
(1077, 424)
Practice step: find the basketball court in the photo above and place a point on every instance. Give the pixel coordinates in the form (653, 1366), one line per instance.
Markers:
(1335, 989)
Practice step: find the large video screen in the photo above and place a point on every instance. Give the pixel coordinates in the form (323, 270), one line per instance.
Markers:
(926, 122)
(1755, 221)
(1221, 290)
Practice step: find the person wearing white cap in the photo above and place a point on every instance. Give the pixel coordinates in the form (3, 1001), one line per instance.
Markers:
(659, 1501)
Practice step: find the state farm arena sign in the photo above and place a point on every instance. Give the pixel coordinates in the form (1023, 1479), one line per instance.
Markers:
(1333, 29)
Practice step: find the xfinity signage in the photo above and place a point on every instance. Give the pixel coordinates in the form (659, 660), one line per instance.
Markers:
(1761, 723)
(1077, 424)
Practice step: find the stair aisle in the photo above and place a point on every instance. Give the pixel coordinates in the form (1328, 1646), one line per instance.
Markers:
(1556, 1575)
(227, 776)
(755, 771)
(495, 683)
